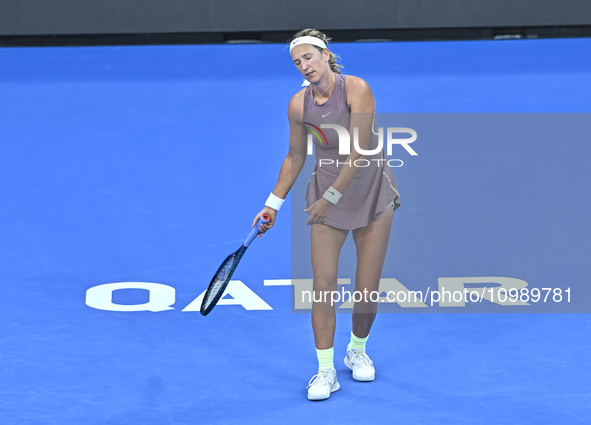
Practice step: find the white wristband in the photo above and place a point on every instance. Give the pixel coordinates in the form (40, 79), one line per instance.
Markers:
(274, 202)
(332, 195)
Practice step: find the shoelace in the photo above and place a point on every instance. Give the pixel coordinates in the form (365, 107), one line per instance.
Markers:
(361, 359)
(318, 379)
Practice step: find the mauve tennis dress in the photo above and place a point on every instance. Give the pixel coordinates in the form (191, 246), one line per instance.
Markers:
(372, 189)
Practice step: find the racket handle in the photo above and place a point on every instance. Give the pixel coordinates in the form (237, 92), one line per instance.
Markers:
(255, 231)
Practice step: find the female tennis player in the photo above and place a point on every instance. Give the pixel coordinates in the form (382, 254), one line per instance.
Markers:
(355, 192)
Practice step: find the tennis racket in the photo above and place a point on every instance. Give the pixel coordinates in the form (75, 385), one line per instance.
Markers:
(220, 280)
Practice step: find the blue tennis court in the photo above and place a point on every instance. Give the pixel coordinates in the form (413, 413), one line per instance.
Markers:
(147, 165)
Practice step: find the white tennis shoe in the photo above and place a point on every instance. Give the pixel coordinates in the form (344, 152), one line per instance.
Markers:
(322, 384)
(361, 365)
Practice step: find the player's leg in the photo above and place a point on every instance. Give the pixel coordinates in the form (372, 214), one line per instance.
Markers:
(371, 243)
(326, 247)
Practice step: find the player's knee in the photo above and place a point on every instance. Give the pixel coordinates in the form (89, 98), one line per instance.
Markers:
(325, 284)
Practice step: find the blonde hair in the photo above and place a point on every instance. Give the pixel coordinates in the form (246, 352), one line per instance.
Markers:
(332, 61)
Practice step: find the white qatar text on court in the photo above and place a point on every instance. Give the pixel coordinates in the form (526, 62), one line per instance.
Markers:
(450, 292)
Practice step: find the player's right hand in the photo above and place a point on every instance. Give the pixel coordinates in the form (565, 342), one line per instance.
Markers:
(265, 226)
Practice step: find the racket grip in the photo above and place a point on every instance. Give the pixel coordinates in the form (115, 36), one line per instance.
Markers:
(255, 231)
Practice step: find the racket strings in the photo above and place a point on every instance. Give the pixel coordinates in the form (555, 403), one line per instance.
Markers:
(220, 279)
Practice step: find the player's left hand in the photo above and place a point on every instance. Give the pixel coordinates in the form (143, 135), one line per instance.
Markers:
(318, 211)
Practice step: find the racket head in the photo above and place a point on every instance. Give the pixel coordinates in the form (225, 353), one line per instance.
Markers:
(220, 281)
